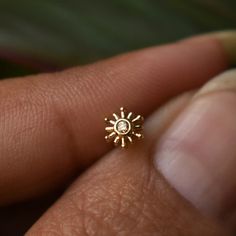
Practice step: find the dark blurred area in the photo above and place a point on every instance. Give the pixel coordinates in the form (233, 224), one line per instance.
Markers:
(42, 35)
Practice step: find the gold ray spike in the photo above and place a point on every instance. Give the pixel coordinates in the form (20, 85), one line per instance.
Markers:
(122, 112)
(116, 140)
(137, 118)
(109, 129)
(110, 136)
(130, 139)
(138, 135)
(116, 116)
(112, 122)
(123, 144)
(129, 115)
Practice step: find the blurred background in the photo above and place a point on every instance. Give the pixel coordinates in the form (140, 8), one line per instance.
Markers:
(44, 35)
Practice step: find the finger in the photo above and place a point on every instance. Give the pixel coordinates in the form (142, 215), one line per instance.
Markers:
(52, 125)
(197, 155)
(124, 195)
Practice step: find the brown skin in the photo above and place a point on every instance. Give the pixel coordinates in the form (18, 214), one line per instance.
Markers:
(123, 195)
(52, 126)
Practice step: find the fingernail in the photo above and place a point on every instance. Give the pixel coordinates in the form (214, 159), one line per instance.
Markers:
(226, 38)
(197, 154)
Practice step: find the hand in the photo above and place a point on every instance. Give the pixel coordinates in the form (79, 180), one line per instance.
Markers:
(52, 129)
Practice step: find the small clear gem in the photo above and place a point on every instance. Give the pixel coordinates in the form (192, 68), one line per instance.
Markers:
(122, 126)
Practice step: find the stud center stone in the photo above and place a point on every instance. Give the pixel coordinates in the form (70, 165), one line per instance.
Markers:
(123, 126)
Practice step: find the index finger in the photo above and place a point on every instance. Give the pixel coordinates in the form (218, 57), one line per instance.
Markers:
(52, 124)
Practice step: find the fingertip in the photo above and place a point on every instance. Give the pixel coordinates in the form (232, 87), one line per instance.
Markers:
(226, 39)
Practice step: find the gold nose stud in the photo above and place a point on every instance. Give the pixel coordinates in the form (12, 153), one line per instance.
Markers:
(124, 128)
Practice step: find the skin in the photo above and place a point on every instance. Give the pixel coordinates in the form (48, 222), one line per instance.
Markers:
(52, 138)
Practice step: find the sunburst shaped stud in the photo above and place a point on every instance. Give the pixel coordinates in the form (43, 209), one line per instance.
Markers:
(124, 128)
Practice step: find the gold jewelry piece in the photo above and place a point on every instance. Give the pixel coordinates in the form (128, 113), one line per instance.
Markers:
(125, 128)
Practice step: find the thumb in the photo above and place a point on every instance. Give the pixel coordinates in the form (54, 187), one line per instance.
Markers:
(197, 154)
